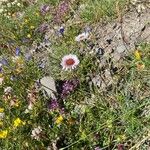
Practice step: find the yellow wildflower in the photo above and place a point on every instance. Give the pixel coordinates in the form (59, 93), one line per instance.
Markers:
(3, 134)
(37, 13)
(18, 122)
(137, 55)
(1, 110)
(32, 27)
(59, 119)
(29, 35)
(26, 20)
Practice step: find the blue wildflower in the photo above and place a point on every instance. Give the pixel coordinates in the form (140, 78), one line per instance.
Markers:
(17, 51)
(61, 30)
(4, 61)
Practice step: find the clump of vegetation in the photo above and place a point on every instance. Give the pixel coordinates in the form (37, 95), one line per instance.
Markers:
(51, 93)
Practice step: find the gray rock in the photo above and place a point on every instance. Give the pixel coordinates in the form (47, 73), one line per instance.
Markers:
(121, 48)
(48, 85)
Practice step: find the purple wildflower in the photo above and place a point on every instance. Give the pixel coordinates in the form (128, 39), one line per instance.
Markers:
(68, 87)
(17, 51)
(53, 104)
(62, 9)
(44, 9)
(4, 61)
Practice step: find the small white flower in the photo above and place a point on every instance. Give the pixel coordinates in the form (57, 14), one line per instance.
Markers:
(70, 62)
(36, 133)
(82, 36)
(30, 107)
(18, 4)
(8, 90)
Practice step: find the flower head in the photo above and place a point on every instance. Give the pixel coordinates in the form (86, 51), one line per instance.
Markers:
(17, 51)
(68, 87)
(44, 9)
(18, 122)
(70, 62)
(4, 61)
(137, 55)
(82, 36)
(54, 104)
(59, 119)
(61, 30)
(36, 133)
(1, 110)
(3, 134)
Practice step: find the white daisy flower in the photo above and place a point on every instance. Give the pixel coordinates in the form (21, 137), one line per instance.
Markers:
(82, 36)
(36, 133)
(70, 62)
